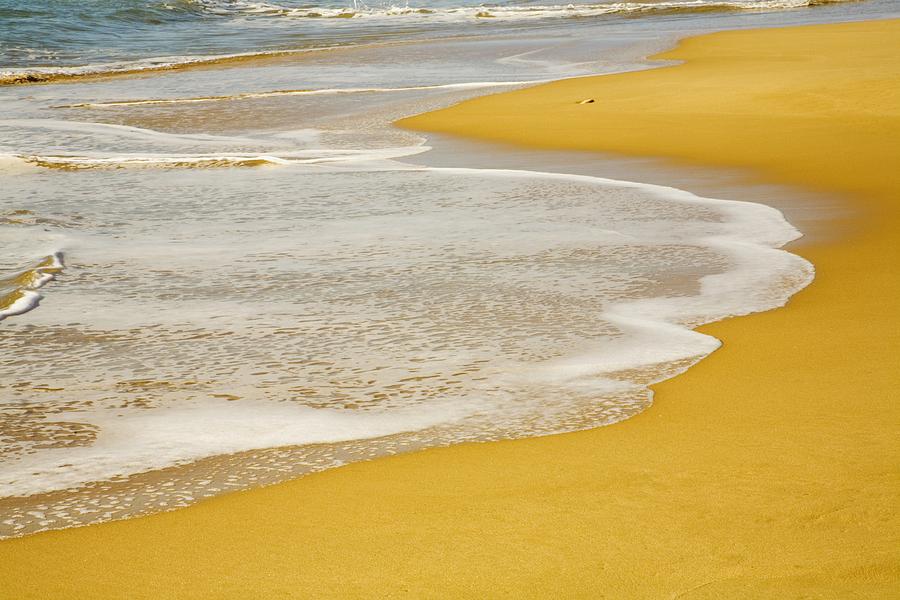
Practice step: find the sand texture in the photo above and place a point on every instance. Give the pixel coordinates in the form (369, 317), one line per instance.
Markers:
(770, 470)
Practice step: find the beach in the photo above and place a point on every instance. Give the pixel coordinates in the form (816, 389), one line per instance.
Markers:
(767, 470)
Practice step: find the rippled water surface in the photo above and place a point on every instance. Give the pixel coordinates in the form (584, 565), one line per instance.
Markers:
(52, 37)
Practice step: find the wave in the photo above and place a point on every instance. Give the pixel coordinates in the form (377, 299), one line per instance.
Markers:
(153, 12)
(320, 92)
(362, 10)
(115, 130)
(118, 68)
(160, 12)
(18, 291)
(194, 161)
(655, 329)
(383, 14)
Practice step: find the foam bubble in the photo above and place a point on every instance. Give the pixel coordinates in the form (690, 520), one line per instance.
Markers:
(374, 299)
(129, 441)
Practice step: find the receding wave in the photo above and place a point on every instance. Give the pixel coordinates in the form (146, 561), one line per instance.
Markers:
(19, 290)
(425, 306)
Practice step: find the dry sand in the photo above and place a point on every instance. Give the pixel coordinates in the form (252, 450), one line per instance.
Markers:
(770, 470)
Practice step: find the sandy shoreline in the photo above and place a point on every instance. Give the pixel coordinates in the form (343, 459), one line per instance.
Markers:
(768, 470)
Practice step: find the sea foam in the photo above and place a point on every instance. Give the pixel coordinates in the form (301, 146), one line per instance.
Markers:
(407, 302)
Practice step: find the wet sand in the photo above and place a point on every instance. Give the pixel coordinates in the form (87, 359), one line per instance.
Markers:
(768, 470)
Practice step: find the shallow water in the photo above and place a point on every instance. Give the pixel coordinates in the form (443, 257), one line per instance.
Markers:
(213, 278)
(201, 314)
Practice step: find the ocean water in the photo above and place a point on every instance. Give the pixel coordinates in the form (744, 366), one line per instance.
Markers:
(230, 273)
(51, 38)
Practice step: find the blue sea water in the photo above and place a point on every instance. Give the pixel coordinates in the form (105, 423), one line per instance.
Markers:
(57, 33)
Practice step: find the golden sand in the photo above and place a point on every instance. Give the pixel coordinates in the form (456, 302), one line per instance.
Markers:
(770, 470)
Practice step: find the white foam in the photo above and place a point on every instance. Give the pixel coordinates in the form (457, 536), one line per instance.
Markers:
(658, 330)
(28, 300)
(653, 331)
(313, 156)
(131, 441)
(29, 297)
(361, 10)
(156, 63)
(469, 85)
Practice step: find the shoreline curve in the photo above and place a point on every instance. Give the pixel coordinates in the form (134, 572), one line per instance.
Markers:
(767, 470)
